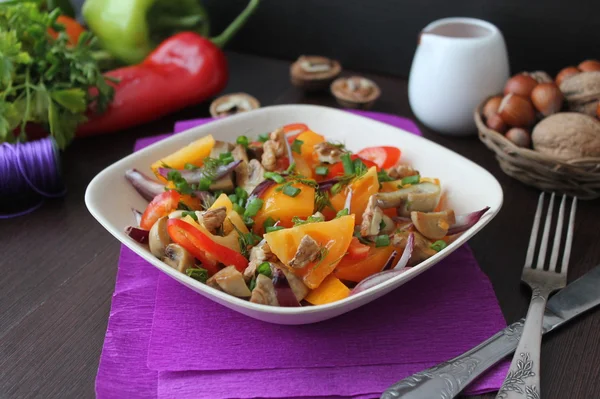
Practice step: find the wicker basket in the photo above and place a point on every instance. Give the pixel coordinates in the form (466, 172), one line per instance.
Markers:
(577, 177)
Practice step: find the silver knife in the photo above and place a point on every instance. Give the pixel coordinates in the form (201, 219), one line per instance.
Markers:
(448, 379)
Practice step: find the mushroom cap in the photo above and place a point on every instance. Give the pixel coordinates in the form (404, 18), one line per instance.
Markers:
(159, 237)
(241, 102)
(178, 258)
(433, 225)
(355, 91)
(317, 79)
(232, 282)
(422, 197)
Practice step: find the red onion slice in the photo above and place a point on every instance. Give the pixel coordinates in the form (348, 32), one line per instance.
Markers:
(206, 197)
(260, 189)
(194, 176)
(326, 185)
(465, 222)
(285, 295)
(348, 200)
(144, 185)
(380, 277)
(289, 151)
(140, 235)
(390, 261)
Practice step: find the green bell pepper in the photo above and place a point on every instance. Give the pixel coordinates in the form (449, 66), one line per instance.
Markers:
(131, 29)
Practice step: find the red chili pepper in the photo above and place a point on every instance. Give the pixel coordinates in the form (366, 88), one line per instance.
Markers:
(185, 69)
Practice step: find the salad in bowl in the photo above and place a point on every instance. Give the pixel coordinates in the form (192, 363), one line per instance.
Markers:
(290, 218)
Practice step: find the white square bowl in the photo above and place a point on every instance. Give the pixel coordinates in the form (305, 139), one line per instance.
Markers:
(468, 187)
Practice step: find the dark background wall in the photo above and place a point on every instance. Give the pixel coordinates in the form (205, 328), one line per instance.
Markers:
(381, 35)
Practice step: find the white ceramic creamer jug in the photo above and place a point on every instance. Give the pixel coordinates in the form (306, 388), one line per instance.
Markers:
(458, 63)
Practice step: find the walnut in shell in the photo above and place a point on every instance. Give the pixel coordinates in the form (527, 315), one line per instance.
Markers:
(567, 136)
(235, 103)
(313, 72)
(582, 92)
(355, 92)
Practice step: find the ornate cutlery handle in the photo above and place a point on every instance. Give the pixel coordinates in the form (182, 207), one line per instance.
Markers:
(447, 379)
(523, 378)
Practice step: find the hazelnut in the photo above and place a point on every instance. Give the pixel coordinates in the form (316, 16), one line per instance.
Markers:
(235, 103)
(540, 76)
(355, 92)
(565, 73)
(313, 72)
(520, 84)
(491, 107)
(589, 66)
(496, 123)
(519, 136)
(516, 111)
(547, 98)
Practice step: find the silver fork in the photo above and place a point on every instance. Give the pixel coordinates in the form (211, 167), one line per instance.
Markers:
(523, 378)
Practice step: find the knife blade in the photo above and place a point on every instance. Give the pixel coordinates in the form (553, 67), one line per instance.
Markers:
(448, 379)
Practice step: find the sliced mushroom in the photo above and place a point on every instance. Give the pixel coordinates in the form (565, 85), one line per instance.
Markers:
(314, 72)
(159, 237)
(401, 171)
(371, 219)
(433, 225)
(355, 92)
(255, 175)
(220, 147)
(422, 246)
(231, 281)
(308, 250)
(328, 153)
(298, 287)
(178, 258)
(235, 103)
(212, 219)
(388, 225)
(422, 197)
(264, 291)
(225, 184)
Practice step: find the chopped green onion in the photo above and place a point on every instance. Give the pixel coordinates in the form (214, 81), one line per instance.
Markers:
(241, 193)
(233, 198)
(322, 170)
(253, 207)
(191, 214)
(383, 176)
(347, 163)
(204, 184)
(336, 188)
(297, 146)
(242, 140)
(311, 219)
(381, 225)
(226, 158)
(343, 212)
(291, 168)
(438, 245)
(276, 177)
(361, 238)
(359, 167)
(248, 221)
(270, 222)
(411, 180)
(189, 166)
(252, 284)
(198, 274)
(238, 208)
(382, 241)
(291, 191)
(182, 207)
(271, 229)
(265, 269)
(263, 137)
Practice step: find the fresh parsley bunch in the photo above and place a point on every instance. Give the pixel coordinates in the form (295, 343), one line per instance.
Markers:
(43, 80)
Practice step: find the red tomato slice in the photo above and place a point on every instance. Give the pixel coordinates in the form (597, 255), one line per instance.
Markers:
(200, 245)
(384, 157)
(357, 250)
(337, 169)
(160, 206)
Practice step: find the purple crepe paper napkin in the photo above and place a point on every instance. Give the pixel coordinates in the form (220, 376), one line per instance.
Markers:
(123, 372)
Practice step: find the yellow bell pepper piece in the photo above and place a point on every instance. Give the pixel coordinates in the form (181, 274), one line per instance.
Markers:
(193, 153)
(330, 290)
(282, 207)
(333, 238)
(362, 189)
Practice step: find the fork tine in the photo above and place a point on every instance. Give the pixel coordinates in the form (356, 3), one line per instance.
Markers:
(534, 231)
(557, 235)
(546, 234)
(569, 241)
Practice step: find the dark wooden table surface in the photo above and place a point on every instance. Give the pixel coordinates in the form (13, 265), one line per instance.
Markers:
(58, 265)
